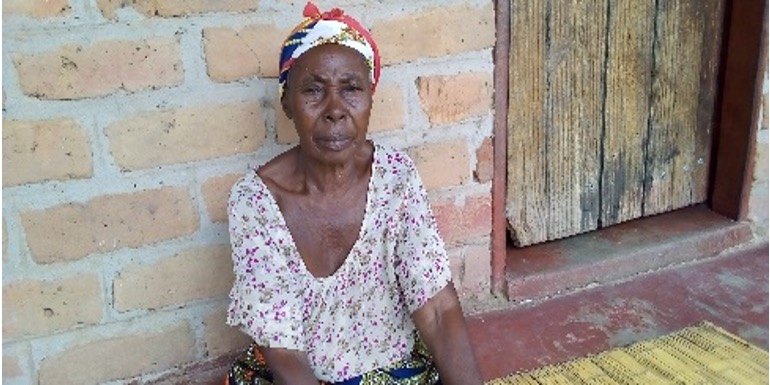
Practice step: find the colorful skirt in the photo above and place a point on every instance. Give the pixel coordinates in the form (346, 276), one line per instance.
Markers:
(251, 369)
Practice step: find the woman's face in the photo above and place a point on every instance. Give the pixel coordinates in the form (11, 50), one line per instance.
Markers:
(328, 95)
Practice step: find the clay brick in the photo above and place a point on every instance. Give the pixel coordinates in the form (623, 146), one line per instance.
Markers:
(387, 109)
(284, 127)
(73, 230)
(442, 164)
(477, 269)
(36, 151)
(216, 191)
(761, 162)
(484, 161)
(448, 99)
(189, 275)
(186, 134)
(455, 256)
(74, 72)
(187, 7)
(174, 8)
(5, 242)
(758, 205)
(11, 367)
(41, 307)
(35, 8)
(221, 338)
(463, 221)
(436, 32)
(237, 54)
(119, 358)
(765, 108)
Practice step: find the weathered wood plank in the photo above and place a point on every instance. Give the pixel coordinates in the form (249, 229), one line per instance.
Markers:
(674, 173)
(575, 96)
(629, 67)
(713, 21)
(526, 198)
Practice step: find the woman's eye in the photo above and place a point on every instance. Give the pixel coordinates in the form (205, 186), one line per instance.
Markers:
(311, 90)
(353, 88)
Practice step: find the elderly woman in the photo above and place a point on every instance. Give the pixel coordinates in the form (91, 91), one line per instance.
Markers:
(341, 276)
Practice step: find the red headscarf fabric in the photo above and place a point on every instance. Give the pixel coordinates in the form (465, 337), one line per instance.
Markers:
(331, 27)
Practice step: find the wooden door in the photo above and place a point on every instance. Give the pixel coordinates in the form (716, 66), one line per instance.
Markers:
(611, 105)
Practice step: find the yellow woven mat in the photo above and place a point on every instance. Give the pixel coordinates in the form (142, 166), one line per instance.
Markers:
(701, 354)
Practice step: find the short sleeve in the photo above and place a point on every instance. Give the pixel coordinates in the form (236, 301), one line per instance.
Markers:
(422, 264)
(265, 302)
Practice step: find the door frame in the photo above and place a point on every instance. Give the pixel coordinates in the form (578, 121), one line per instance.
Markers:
(739, 99)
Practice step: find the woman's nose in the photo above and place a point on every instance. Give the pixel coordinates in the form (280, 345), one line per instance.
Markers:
(335, 110)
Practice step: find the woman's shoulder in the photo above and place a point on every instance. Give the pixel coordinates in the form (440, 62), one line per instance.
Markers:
(254, 184)
(256, 179)
(395, 160)
(247, 186)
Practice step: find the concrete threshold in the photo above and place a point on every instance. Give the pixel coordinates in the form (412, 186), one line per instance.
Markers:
(538, 272)
(729, 290)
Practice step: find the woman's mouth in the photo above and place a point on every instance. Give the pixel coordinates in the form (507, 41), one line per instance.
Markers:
(334, 143)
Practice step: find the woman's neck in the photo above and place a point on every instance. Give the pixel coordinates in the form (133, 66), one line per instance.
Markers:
(332, 178)
(327, 178)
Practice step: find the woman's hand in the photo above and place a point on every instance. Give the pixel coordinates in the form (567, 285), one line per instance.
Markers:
(442, 326)
(289, 367)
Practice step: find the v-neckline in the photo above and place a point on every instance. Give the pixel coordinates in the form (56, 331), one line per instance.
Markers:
(361, 231)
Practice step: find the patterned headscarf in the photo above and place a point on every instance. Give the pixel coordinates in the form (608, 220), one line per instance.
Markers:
(332, 27)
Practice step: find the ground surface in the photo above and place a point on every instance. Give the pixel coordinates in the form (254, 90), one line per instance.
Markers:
(730, 290)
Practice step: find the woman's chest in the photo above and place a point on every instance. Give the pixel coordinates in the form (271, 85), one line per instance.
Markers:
(325, 234)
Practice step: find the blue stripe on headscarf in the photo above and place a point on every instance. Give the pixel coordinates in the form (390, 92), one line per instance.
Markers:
(288, 50)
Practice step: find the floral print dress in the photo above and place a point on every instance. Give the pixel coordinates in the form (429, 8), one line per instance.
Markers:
(356, 320)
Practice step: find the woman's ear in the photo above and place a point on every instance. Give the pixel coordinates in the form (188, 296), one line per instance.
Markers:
(285, 106)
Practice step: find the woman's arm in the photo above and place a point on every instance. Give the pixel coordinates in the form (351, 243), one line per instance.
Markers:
(289, 367)
(265, 301)
(442, 326)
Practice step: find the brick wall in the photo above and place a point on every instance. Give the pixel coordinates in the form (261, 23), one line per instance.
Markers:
(758, 200)
(126, 122)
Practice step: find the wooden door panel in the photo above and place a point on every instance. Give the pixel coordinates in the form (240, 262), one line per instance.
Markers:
(526, 202)
(626, 112)
(573, 122)
(677, 149)
(610, 111)
(555, 94)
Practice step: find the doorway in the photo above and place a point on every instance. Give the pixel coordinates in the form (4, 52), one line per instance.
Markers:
(610, 114)
(618, 110)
